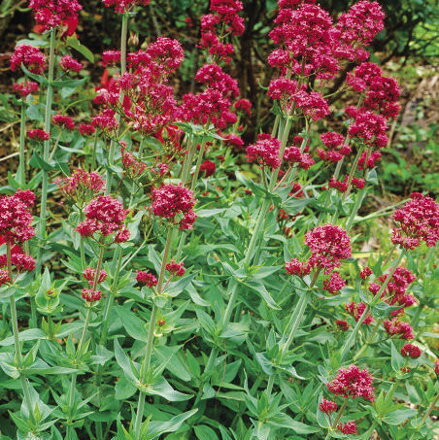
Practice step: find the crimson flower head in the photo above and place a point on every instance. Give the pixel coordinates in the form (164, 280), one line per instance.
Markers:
(4, 277)
(208, 168)
(365, 273)
(410, 350)
(25, 88)
(16, 218)
(265, 151)
(53, 13)
(19, 261)
(417, 221)
(334, 284)
(81, 186)
(170, 200)
(328, 406)
(395, 327)
(329, 244)
(64, 121)
(104, 215)
(90, 275)
(69, 64)
(86, 129)
(243, 105)
(39, 134)
(176, 269)
(296, 267)
(342, 324)
(91, 295)
(31, 57)
(348, 428)
(146, 278)
(356, 310)
(352, 382)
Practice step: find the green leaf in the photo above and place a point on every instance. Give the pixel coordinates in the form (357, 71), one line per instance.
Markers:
(203, 432)
(156, 429)
(399, 416)
(260, 289)
(134, 326)
(30, 334)
(124, 362)
(74, 43)
(37, 161)
(161, 387)
(284, 421)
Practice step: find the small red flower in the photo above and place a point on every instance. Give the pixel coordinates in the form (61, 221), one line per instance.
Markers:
(410, 350)
(328, 406)
(176, 269)
(146, 278)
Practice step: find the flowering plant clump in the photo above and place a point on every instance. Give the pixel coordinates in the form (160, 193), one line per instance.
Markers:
(196, 239)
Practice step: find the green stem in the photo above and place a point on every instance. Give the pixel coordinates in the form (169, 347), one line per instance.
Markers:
(355, 209)
(352, 171)
(18, 356)
(428, 412)
(46, 148)
(340, 413)
(21, 171)
(123, 68)
(146, 363)
(198, 164)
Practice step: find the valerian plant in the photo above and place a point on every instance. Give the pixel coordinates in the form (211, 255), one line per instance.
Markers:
(162, 280)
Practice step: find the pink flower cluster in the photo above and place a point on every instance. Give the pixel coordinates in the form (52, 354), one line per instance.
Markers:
(396, 291)
(39, 134)
(347, 428)
(16, 218)
(89, 274)
(356, 310)
(265, 151)
(104, 215)
(310, 44)
(290, 95)
(417, 221)
(224, 15)
(342, 185)
(175, 269)
(410, 350)
(25, 88)
(396, 327)
(19, 260)
(31, 57)
(169, 200)
(64, 121)
(69, 64)
(352, 383)
(148, 101)
(336, 149)
(81, 186)
(327, 406)
(123, 6)
(146, 278)
(133, 167)
(52, 13)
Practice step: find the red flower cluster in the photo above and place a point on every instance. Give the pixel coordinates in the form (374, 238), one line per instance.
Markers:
(25, 88)
(342, 185)
(31, 57)
(371, 158)
(104, 215)
(90, 274)
(329, 244)
(369, 127)
(418, 220)
(410, 350)
(133, 167)
(148, 101)
(146, 278)
(224, 15)
(81, 186)
(175, 269)
(381, 93)
(52, 13)
(334, 284)
(39, 134)
(64, 121)
(123, 6)
(342, 324)
(16, 218)
(86, 129)
(208, 168)
(19, 261)
(69, 64)
(352, 382)
(296, 267)
(348, 428)
(170, 200)
(328, 406)
(395, 292)
(396, 327)
(366, 272)
(265, 151)
(293, 154)
(356, 310)
(336, 149)
(91, 295)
